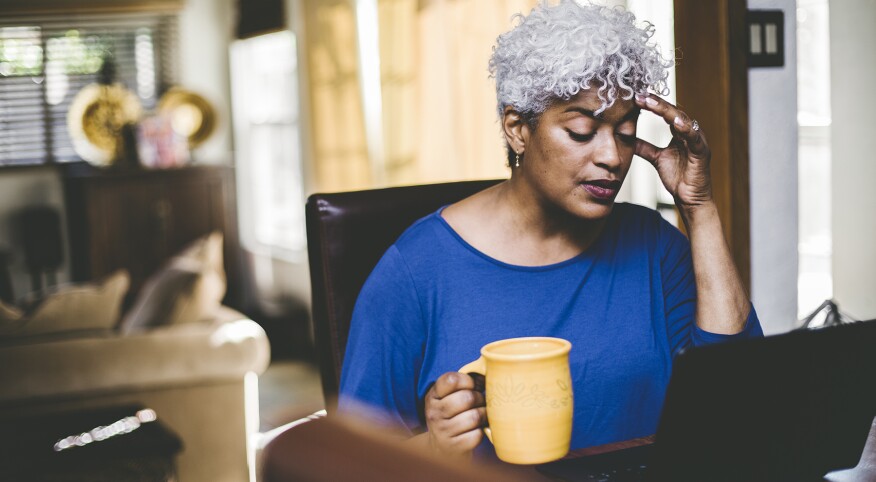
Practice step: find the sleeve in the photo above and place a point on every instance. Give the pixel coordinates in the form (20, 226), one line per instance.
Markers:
(385, 348)
(680, 296)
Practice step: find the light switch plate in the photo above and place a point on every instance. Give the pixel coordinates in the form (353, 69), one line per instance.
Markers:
(766, 34)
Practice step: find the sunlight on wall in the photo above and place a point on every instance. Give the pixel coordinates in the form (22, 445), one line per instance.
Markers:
(369, 75)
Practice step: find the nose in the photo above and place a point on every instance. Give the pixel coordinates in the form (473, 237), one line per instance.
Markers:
(607, 153)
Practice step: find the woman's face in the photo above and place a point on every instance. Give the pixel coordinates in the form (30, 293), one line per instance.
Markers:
(577, 161)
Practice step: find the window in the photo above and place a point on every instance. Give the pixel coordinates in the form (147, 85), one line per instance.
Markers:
(46, 60)
(264, 81)
(815, 281)
(644, 185)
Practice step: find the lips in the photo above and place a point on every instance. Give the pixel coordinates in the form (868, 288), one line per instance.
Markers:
(602, 188)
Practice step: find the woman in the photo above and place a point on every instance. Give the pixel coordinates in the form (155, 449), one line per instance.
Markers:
(549, 253)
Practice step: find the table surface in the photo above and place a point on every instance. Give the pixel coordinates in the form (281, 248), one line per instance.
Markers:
(612, 447)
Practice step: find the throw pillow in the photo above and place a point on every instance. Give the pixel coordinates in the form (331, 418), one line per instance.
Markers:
(72, 308)
(188, 288)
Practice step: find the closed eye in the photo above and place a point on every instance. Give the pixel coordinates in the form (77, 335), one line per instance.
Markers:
(629, 139)
(577, 137)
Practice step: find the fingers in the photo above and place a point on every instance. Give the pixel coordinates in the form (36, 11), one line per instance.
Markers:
(647, 151)
(665, 110)
(457, 423)
(694, 137)
(460, 401)
(455, 412)
(470, 420)
(451, 382)
(460, 434)
(680, 123)
(466, 442)
(452, 395)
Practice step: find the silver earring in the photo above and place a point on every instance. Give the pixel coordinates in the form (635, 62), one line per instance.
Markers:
(516, 159)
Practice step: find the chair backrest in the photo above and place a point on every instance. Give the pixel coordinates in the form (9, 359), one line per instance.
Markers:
(347, 233)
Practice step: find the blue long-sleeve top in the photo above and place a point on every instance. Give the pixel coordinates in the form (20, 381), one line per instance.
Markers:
(627, 304)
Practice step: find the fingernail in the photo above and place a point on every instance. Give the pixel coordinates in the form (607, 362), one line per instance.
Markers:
(641, 97)
(679, 122)
(651, 101)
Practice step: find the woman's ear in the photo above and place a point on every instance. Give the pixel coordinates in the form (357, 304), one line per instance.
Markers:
(515, 128)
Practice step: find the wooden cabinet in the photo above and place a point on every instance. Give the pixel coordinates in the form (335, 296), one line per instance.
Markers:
(136, 219)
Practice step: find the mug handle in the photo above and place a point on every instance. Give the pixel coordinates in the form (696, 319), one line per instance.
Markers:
(478, 366)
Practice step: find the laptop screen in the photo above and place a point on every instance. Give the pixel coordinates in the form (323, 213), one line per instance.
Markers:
(786, 407)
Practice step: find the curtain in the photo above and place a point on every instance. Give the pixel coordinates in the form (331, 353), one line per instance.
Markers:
(459, 136)
(437, 109)
(337, 135)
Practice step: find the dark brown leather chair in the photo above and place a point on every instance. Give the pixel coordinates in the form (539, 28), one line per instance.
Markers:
(347, 233)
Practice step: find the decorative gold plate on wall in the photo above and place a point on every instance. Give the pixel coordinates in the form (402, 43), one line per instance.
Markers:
(96, 118)
(192, 116)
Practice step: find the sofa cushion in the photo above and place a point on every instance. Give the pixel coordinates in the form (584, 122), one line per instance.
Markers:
(70, 310)
(188, 288)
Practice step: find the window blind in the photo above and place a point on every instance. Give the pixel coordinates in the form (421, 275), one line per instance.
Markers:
(45, 60)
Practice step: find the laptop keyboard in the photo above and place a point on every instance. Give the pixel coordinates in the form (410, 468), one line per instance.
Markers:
(627, 474)
(627, 465)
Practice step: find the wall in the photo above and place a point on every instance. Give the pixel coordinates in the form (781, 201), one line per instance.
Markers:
(772, 117)
(206, 28)
(853, 148)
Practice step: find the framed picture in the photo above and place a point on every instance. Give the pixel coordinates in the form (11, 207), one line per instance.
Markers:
(159, 145)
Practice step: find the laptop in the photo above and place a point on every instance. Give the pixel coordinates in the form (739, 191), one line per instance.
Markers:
(790, 407)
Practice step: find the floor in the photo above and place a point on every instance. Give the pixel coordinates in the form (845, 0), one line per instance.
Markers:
(288, 390)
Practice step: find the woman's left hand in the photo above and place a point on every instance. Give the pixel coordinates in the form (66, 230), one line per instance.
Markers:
(683, 165)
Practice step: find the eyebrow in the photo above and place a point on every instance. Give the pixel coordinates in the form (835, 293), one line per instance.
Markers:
(632, 114)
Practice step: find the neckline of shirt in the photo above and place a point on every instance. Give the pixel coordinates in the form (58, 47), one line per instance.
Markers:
(584, 255)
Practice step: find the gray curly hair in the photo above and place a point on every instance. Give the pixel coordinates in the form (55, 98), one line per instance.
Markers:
(557, 51)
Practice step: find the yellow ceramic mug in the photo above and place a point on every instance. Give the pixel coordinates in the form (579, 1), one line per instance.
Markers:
(529, 397)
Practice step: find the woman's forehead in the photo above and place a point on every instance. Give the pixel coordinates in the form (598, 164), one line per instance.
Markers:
(587, 103)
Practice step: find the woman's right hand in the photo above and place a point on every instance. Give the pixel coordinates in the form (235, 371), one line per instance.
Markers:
(455, 412)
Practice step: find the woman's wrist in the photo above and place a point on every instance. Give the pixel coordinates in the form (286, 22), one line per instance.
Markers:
(700, 213)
